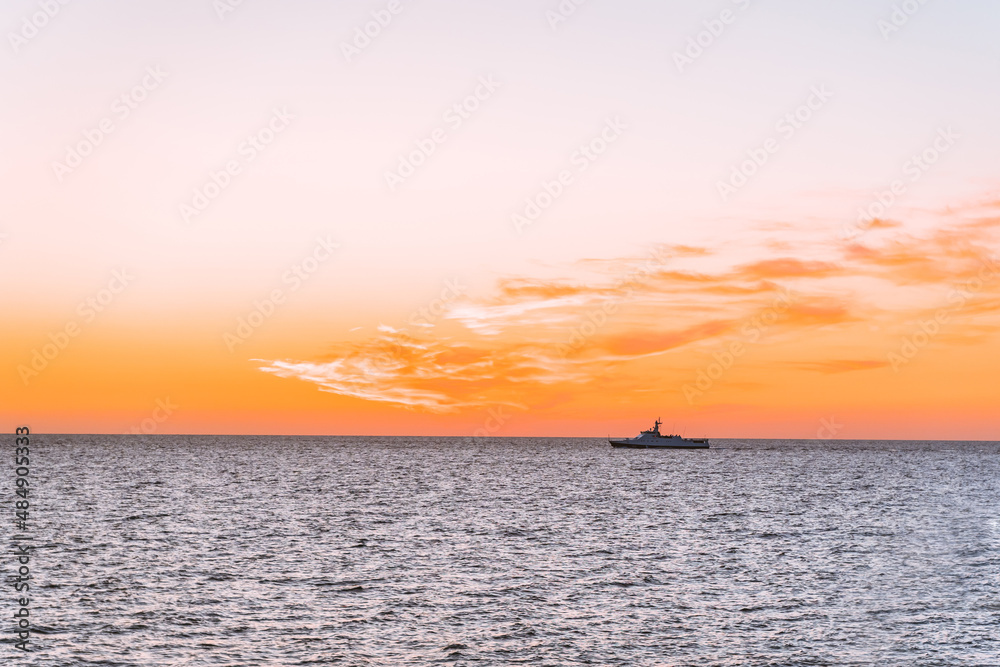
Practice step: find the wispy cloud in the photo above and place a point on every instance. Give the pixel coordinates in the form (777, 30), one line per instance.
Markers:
(506, 349)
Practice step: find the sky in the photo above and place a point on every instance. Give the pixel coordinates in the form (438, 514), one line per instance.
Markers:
(429, 217)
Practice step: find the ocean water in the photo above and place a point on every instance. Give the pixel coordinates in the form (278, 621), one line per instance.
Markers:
(171, 550)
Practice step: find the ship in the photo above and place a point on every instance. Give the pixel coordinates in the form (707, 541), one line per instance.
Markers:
(653, 439)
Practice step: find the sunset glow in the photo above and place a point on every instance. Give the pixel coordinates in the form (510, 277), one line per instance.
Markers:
(497, 223)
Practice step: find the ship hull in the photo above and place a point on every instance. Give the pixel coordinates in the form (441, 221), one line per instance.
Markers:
(689, 444)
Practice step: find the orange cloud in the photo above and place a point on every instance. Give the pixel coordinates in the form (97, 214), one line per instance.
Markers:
(530, 341)
(787, 267)
(650, 342)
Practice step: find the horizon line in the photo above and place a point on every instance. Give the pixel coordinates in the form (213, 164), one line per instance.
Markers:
(475, 437)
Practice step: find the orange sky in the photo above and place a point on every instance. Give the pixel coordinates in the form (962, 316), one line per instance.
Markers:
(486, 223)
(888, 334)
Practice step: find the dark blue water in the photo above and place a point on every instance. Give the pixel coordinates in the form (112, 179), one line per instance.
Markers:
(168, 550)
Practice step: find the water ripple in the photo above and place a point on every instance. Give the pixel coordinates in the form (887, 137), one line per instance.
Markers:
(223, 551)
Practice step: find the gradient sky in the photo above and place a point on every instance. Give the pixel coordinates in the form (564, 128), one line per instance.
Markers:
(436, 312)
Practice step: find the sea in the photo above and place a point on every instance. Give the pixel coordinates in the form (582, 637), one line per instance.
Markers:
(163, 550)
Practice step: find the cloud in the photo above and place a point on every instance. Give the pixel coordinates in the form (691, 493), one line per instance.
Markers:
(531, 340)
(637, 344)
(882, 223)
(787, 267)
(437, 375)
